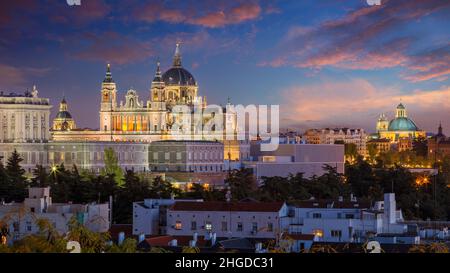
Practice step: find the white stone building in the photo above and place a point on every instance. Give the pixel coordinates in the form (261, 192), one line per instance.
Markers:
(308, 159)
(226, 219)
(346, 221)
(24, 118)
(21, 217)
(186, 156)
(331, 136)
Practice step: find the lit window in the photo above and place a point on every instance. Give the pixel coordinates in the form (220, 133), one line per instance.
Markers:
(208, 226)
(318, 232)
(178, 225)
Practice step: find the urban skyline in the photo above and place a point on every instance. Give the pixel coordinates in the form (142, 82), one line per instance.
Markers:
(294, 54)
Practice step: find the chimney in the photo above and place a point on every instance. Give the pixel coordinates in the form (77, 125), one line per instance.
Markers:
(258, 247)
(195, 237)
(213, 239)
(192, 243)
(341, 199)
(174, 242)
(389, 208)
(121, 238)
(141, 237)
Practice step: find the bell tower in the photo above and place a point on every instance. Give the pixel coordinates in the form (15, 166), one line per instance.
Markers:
(157, 88)
(108, 100)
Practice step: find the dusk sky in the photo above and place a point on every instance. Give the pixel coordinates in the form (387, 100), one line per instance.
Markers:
(326, 62)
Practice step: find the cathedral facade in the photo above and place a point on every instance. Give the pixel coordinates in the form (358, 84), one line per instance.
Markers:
(149, 118)
(136, 119)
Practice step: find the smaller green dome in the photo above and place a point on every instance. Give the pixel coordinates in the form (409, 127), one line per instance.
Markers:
(402, 124)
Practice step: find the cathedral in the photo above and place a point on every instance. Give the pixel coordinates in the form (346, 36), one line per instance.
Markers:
(401, 127)
(138, 120)
(134, 119)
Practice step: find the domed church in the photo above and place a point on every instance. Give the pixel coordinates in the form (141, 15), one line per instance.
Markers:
(63, 120)
(141, 117)
(400, 127)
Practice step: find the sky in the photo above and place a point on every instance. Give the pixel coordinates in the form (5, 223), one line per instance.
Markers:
(327, 63)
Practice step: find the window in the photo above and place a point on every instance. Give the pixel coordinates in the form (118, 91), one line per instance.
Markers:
(269, 227)
(193, 225)
(155, 156)
(254, 227)
(28, 224)
(239, 226)
(32, 209)
(336, 233)
(178, 225)
(339, 215)
(224, 226)
(317, 215)
(318, 232)
(167, 156)
(208, 226)
(178, 156)
(349, 216)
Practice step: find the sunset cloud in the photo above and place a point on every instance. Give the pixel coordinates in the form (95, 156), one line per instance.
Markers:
(219, 15)
(366, 39)
(113, 47)
(358, 103)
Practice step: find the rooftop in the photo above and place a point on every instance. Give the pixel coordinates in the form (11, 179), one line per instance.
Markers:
(225, 206)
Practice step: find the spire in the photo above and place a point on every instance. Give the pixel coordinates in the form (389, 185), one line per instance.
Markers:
(177, 56)
(158, 76)
(63, 105)
(108, 76)
(440, 128)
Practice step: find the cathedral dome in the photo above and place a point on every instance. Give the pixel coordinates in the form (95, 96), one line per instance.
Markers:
(178, 76)
(63, 115)
(402, 124)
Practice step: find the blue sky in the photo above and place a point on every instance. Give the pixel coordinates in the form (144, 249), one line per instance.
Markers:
(327, 63)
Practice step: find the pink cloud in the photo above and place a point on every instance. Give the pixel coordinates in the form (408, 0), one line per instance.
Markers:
(114, 48)
(359, 40)
(357, 103)
(219, 15)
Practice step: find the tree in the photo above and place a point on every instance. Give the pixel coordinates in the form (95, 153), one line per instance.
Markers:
(112, 166)
(372, 151)
(420, 146)
(161, 188)
(16, 177)
(242, 183)
(351, 151)
(4, 183)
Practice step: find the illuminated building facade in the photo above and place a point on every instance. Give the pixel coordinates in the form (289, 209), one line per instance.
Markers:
(63, 120)
(136, 120)
(400, 127)
(24, 118)
(336, 135)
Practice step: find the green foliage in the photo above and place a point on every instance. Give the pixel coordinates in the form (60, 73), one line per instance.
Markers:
(112, 167)
(13, 183)
(242, 184)
(351, 151)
